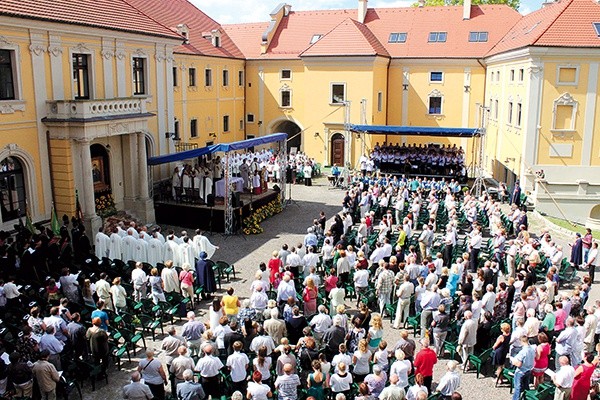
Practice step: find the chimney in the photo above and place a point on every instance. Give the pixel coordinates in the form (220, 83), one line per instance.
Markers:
(362, 11)
(421, 3)
(467, 9)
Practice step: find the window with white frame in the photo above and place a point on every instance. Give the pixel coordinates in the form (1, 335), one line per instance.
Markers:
(8, 83)
(81, 76)
(338, 93)
(225, 123)
(139, 75)
(208, 77)
(225, 77)
(596, 27)
(315, 38)
(397, 37)
(478, 36)
(565, 111)
(567, 75)
(436, 76)
(521, 74)
(192, 77)
(512, 75)
(285, 96)
(437, 37)
(285, 74)
(435, 103)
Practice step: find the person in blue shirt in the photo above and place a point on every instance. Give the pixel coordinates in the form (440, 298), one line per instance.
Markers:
(523, 362)
(335, 171)
(100, 313)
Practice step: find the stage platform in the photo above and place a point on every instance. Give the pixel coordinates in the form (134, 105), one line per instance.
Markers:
(199, 216)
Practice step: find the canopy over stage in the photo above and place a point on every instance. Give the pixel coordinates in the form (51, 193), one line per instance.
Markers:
(167, 211)
(216, 148)
(415, 130)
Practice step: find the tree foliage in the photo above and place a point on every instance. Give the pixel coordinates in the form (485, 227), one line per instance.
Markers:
(427, 3)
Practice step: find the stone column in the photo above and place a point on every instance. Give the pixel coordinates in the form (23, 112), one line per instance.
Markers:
(92, 221)
(145, 203)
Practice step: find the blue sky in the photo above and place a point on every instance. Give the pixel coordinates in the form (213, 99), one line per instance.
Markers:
(258, 11)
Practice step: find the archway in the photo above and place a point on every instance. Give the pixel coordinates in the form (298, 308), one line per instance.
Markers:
(338, 149)
(293, 131)
(101, 176)
(13, 196)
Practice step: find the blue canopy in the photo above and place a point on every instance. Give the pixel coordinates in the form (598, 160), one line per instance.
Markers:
(216, 148)
(415, 130)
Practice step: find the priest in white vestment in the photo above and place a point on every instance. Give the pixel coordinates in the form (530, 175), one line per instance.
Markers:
(186, 252)
(159, 235)
(133, 231)
(171, 250)
(155, 250)
(122, 232)
(140, 250)
(170, 278)
(115, 250)
(201, 243)
(101, 243)
(129, 243)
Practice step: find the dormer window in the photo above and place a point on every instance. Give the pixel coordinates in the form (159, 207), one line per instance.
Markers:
(214, 36)
(597, 28)
(315, 38)
(184, 31)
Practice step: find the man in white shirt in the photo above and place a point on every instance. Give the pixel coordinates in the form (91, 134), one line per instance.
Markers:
(139, 281)
(489, 299)
(314, 276)
(593, 260)
(404, 293)
(209, 367)
(563, 379)
(238, 365)
(474, 245)
(590, 326)
(259, 299)
(320, 323)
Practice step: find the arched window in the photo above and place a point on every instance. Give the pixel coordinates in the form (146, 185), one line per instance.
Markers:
(13, 197)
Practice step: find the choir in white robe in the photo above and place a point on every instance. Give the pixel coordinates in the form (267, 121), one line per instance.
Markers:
(155, 251)
(129, 243)
(201, 243)
(170, 280)
(116, 247)
(160, 237)
(102, 244)
(122, 232)
(171, 251)
(133, 232)
(140, 250)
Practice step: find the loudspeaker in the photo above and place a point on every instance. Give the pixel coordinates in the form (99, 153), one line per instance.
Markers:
(276, 188)
(210, 200)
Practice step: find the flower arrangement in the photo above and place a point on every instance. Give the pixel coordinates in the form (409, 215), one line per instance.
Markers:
(105, 205)
(252, 222)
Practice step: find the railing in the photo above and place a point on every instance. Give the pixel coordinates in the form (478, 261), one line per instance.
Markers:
(91, 109)
(182, 146)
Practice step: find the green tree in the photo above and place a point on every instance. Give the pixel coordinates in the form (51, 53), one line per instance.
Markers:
(427, 3)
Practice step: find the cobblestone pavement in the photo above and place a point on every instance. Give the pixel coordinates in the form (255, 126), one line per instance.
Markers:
(246, 252)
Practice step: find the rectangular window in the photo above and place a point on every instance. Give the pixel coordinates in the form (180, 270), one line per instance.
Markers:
(225, 123)
(286, 98)
(338, 93)
(437, 37)
(597, 28)
(194, 128)
(286, 74)
(176, 129)
(496, 105)
(240, 78)
(209, 143)
(397, 37)
(521, 75)
(519, 108)
(436, 76)
(478, 36)
(192, 77)
(498, 76)
(379, 101)
(315, 38)
(512, 75)
(225, 77)
(139, 84)
(81, 79)
(250, 118)
(510, 112)
(241, 124)
(208, 77)
(435, 105)
(563, 120)
(175, 82)
(7, 80)
(567, 75)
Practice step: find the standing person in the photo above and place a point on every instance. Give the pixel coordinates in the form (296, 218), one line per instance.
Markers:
(587, 244)
(154, 375)
(583, 375)
(139, 280)
(170, 278)
(593, 261)
(287, 384)
(231, 305)
(309, 295)
(516, 195)
(424, 363)
(119, 295)
(98, 340)
(136, 390)
(576, 251)
(468, 337)
(563, 379)
(441, 325)
(205, 274)
(450, 381)
(316, 381)
(46, 376)
(523, 362)
(238, 365)
(156, 287)
(209, 367)
(187, 283)
(384, 287)
(501, 347)
(542, 358)
(188, 389)
(307, 170)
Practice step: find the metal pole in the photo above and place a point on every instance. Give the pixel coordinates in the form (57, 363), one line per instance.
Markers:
(227, 194)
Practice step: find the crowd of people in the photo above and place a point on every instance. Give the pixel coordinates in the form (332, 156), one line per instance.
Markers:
(455, 273)
(429, 159)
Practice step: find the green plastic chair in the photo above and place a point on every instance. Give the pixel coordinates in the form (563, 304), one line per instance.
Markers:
(478, 361)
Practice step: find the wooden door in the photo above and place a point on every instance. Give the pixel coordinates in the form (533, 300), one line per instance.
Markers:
(337, 150)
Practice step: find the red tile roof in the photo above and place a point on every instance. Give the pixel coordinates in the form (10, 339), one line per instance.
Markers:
(294, 33)
(349, 38)
(174, 12)
(109, 14)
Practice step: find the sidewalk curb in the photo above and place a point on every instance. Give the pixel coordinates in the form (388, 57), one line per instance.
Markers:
(552, 225)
